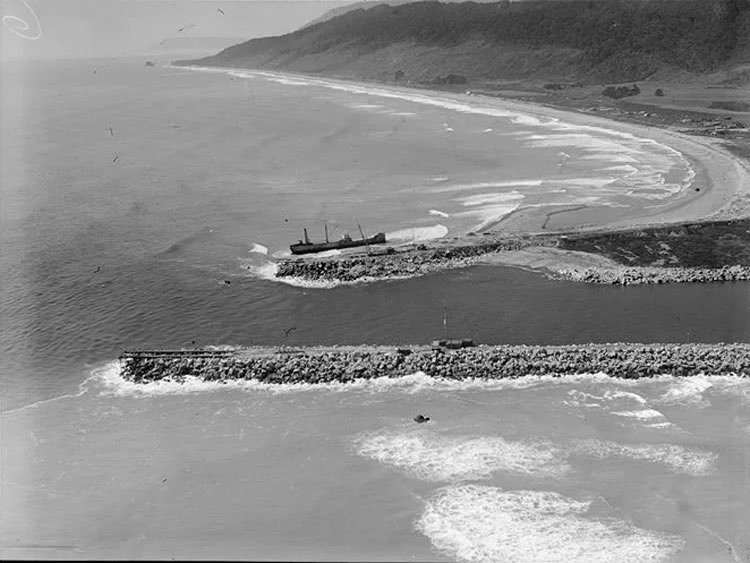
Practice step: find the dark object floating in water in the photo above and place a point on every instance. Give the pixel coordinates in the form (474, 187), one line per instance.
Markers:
(220, 10)
(289, 330)
(164, 480)
(115, 159)
(419, 419)
(149, 63)
(307, 247)
(227, 282)
(98, 269)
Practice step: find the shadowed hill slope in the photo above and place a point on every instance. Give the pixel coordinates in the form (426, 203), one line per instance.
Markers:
(607, 40)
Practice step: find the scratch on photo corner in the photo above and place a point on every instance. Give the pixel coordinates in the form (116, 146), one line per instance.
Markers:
(21, 27)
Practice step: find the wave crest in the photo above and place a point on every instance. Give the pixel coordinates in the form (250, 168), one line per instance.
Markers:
(476, 524)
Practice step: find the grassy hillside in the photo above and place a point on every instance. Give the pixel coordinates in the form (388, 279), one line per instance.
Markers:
(604, 40)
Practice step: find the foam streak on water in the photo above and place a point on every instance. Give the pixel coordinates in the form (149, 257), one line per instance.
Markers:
(476, 524)
(677, 458)
(650, 161)
(431, 456)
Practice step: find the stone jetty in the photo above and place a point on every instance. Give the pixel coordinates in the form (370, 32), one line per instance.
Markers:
(715, 251)
(401, 263)
(651, 275)
(348, 364)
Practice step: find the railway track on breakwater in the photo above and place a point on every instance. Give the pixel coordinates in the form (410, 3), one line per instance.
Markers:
(350, 363)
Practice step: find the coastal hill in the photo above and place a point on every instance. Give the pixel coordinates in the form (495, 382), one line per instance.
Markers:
(588, 41)
(367, 4)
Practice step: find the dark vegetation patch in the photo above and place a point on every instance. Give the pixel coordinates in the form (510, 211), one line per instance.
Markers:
(615, 40)
(618, 92)
(697, 245)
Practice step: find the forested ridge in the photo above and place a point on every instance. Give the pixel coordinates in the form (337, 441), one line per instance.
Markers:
(611, 39)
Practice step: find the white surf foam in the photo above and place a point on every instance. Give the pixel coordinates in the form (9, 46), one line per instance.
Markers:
(419, 234)
(607, 143)
(488, 130)
(258, 248)
(613, 395)
(491, 207)
(645, 414)
(366, 106)
(481, 199)
(660, 425)
(480, 524)
(110, 382)
(677, 458)
(438, 213)
(481, 186)
(686, 390)
(267, 271)
(430, 456)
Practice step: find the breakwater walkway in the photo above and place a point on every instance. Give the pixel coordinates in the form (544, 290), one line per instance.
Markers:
(347, 364)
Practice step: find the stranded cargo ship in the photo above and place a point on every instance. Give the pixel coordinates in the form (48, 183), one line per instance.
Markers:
(307, 247)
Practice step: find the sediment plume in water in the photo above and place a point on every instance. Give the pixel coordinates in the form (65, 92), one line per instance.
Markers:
(342, 365)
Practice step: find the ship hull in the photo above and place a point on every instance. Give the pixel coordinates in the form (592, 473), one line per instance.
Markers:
(304, 248)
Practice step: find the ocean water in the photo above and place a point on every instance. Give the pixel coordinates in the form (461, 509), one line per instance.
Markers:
(534, 469)
(131, 195)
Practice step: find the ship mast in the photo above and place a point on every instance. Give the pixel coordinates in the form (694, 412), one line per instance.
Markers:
(326, 227)
(307, 240)
(445, 320)
(367, 245)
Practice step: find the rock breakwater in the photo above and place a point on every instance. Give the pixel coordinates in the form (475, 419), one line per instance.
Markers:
(342, 365)
(651, 275)
(410, 263)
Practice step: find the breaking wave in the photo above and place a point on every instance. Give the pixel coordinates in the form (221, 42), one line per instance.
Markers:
(677, 458)
(258, 249)
(600, 142)
(477, 523)
(112, 383)
(430, 456)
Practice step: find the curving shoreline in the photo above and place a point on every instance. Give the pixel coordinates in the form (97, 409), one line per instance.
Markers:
(349, 364)
(724, 178)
